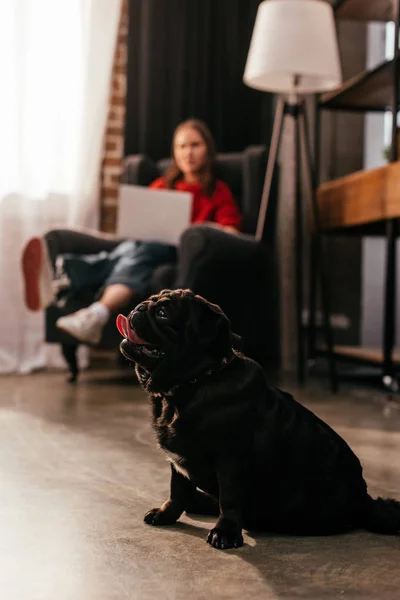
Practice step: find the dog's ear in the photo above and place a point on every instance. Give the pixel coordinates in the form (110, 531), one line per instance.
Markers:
(209, 325)
(237, 341)
(223, 322)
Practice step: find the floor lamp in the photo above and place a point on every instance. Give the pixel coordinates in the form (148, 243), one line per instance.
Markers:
(294, 53)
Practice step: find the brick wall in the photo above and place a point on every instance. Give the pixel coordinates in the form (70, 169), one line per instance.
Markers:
(114, 138)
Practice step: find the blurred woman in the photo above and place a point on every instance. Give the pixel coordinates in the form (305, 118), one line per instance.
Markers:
(127, 270)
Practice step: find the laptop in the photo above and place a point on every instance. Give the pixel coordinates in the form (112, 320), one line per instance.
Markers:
(151, 215)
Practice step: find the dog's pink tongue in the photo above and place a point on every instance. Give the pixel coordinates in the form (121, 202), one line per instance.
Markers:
(126, 331)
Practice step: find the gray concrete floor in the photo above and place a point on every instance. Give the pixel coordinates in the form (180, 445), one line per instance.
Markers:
(79, 468)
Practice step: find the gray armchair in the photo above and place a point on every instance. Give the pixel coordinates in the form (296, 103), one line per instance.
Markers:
(235, 272)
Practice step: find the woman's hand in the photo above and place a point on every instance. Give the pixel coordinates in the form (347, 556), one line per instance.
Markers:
(230, 229)
(227, 228)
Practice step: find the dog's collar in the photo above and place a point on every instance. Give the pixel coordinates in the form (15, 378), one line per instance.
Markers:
(144, 376)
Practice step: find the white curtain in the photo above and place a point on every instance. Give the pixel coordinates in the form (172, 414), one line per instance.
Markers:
(55, 70)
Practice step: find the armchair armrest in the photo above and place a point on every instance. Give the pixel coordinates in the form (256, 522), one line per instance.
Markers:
(238, 273)
(62, 241)
(206, 251)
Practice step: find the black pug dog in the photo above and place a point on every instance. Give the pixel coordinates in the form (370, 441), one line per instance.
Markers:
(239, 447)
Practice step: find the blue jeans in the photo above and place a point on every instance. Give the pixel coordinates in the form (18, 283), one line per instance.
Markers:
(130, 263)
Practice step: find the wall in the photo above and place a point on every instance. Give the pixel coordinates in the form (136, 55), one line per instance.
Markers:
(115, 132)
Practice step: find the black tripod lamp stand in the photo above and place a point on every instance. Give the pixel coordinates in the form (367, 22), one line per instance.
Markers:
(294, 53)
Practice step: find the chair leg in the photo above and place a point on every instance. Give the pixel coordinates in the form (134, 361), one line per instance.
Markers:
(69, 352)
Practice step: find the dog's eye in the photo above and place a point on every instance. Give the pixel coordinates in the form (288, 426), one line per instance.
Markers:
(161, 313)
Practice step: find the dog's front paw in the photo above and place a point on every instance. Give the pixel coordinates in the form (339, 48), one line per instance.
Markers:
(223, 539)
(159, 516)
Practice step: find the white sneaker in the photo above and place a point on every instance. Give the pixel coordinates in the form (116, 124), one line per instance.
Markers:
(85, 325)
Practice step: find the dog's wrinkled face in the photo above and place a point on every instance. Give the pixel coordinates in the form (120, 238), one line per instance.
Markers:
(173, 335)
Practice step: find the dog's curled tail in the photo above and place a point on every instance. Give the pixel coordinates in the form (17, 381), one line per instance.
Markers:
(382, 515)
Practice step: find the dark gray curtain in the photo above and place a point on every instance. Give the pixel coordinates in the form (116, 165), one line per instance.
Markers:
(186, 59)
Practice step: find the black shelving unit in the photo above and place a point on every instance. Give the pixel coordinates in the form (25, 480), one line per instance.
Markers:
(369, 91)
(374, 90)
(365, 10)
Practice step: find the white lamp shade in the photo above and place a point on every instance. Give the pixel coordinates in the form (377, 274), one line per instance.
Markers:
(294, 38)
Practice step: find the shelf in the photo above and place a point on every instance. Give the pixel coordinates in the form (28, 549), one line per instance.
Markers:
(368, 91)
(357, 354)
(364, 10)
(360, 200)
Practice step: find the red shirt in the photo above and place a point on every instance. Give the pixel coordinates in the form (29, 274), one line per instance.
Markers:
(221, 208)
